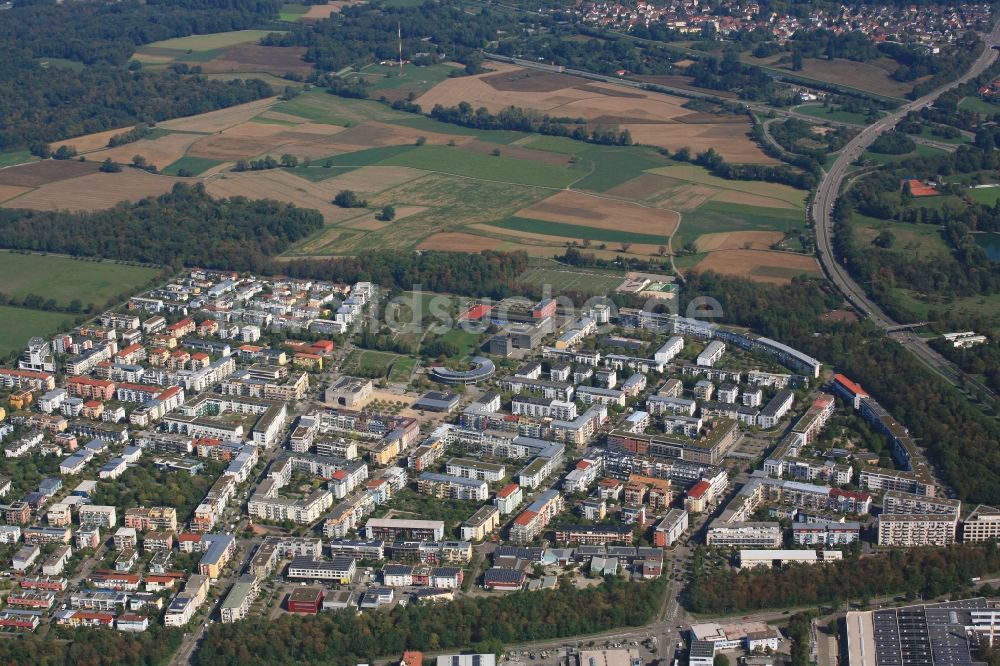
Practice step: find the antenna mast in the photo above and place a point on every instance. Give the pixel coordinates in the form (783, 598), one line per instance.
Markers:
(399, 34)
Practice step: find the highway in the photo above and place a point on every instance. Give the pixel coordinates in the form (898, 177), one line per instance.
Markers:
(822, 208)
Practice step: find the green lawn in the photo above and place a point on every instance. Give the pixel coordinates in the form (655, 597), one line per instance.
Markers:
(916, 239)
(466, 342)
(576, 231)
(978, 105)
(64, 279)
(368, 363)
(340, 164)
(18, 324)
(317, 172)
(830, 113)
(401, 369)
(920, 151)
(561, 280)
(62, 63)
(984, 195)
(716, 216)
(980, 307)
(196, 165)
(16, 157)
(211, 41)
(459, 162)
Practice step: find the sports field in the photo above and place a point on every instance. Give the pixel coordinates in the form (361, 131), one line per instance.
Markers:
(65, 279)
(19, 324)
(563, 279)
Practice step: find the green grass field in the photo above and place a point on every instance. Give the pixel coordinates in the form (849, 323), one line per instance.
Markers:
(402, 369)
(368, 363)
(217, 40)
(984, 195)
(609, 167)
(195, 165)
(465, 341)
(61, 63)
(916, 239)
(829, 113)
(920, 151)
(455, 161)
(715, 216)
(322, 107)
(65, 279)
(16, 157)
(554, 144)
(18, 324)
(413, 78)
(576, 231)
(292, 11)
(978, 105)
(561, 280)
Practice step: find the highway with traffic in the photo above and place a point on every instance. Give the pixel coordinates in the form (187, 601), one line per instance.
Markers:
(822, 215)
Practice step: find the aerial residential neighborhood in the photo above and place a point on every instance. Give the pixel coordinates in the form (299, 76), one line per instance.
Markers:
(325, 491)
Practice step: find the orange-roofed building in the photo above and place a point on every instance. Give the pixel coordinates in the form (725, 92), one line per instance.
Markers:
(848, 390)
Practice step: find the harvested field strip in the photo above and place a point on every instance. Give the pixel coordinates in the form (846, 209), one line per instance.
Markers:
(211, 41)
(459, 242)
(90, 142)
(318, 172)
(790, 196)
(216, 121)
(738, 240)
(760, 265)
(168, 148)
(577, 208)
(44, 172)
(95, 191)
(195, 165)
(576, 231)
(10, 191)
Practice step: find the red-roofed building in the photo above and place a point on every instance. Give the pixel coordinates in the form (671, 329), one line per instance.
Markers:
(610, 489)
(92, 409)
(508, 498)
(189, 542)
(476, 312)
(207, 328)
(324, 347)
(131, 354)
(412, 658)
(848, 390)
(697, 497)
(850, 501)
(27, 379)
(183, 327)
(87, 388)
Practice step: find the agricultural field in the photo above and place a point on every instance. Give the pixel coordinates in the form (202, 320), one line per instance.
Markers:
(919, 151)
(226, 52)
(652, 118)
(872, 77)
(19, 324)
(16, 157)
(760, 265)
(65, 279)
(452, 187)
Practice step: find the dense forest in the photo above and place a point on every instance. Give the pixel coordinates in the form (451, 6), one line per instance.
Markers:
(184, 227)
(45, 101)
(93, 647)
(346, 638)
(488, 273)
(929, 572)
(960, 439)
(42, 104)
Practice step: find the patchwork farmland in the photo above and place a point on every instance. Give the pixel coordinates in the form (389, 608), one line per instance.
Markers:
(452, 187)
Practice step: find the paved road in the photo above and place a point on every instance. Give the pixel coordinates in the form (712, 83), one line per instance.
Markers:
(827, 193)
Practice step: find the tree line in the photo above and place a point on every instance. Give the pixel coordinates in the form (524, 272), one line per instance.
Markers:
(483, 623)
(94, 647)
(929, 572)
(488, 273)
(184, 227)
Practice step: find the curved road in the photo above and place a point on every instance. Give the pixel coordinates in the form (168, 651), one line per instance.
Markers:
(826, 195)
